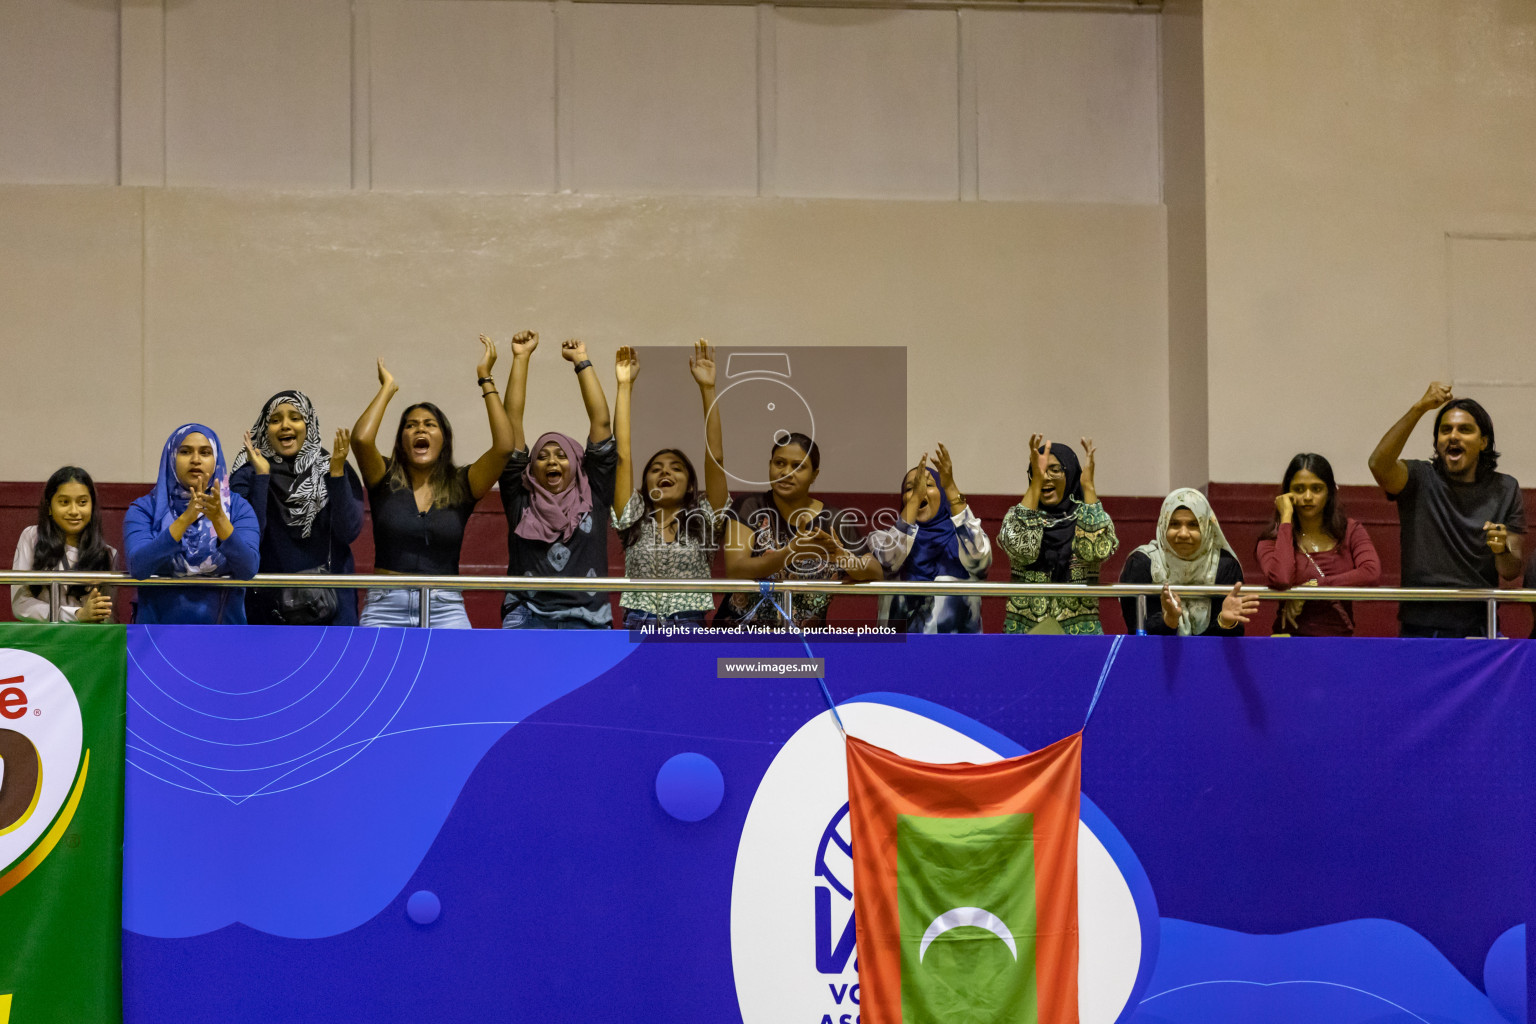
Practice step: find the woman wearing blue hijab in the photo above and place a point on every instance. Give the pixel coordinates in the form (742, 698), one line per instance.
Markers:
(937, 537)
(190, 525)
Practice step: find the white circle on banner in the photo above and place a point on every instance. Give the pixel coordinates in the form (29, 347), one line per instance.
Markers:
(791, 893)
(41, 738)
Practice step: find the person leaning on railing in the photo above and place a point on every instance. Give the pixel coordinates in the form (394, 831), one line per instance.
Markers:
(420, 501)
(309, 504)
(1057, 533)
(557, 497)
(1462, 521)
(670, 529)
(785, 533)
(67, 537)
(938, 537)
(1311, 542)
(1189, 549)
(191, 526)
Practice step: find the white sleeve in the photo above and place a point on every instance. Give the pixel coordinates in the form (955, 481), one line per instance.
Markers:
(23, 604)
(975, 548)
(892, 545)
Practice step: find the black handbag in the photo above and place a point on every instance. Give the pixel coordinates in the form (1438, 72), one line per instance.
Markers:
(306, 606)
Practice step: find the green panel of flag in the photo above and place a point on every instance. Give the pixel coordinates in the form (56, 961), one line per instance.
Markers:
(965, 892)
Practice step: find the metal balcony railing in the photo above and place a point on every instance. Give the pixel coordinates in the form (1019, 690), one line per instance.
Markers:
(57, 581)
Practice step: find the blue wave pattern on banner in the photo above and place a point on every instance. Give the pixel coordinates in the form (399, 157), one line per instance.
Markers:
(317, 764)
(1353, 972)
(1267, 788)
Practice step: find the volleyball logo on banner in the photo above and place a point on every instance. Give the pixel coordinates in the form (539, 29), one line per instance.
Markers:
(792, 928)
(41, 741)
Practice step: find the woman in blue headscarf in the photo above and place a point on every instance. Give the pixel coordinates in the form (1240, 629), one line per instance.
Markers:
(938, 537)
(190, 525)
(1057, 533)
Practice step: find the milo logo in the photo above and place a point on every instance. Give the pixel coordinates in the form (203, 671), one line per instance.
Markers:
(41, 743)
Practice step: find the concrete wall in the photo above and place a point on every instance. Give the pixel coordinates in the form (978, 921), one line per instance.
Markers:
(1371, 201)
(275, 191)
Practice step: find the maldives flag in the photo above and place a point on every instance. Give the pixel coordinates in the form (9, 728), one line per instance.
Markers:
(965, 886)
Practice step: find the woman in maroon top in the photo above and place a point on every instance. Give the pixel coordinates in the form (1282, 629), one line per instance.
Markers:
(1310, 542)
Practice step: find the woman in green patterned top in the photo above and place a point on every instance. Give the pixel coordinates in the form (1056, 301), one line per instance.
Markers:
(1057, 533)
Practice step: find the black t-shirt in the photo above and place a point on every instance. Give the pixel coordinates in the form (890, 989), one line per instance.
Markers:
(1138, 569)
(584, 554)
(410, 541)
(1443, 541)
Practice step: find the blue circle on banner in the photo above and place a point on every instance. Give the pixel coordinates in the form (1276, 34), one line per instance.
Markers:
(423, 907)
(690, 787)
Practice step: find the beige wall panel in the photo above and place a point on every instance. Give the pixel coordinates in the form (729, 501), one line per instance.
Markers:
(259, 93)
(1344, 142)
(70, 285)
(249, 293)
(665, 99)
(462, 95)
(1067, 106)
(867, 103)
(58, 92)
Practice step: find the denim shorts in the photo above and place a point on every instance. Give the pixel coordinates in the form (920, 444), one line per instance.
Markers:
(402, 608)
(635, 618)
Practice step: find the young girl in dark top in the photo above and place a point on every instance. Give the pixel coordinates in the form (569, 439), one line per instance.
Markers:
(67, 538)
(309, 504)
(421, 501)
(191, 526)
(784, 533)
(1310, 542)
(1188, 550)
(557, 497)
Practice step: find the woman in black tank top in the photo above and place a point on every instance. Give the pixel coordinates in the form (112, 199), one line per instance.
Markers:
(420, 501)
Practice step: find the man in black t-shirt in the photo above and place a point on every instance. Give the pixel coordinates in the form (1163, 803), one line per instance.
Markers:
(1463, 522)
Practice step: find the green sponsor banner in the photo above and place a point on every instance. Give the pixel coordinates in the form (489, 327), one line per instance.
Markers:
(62, 704)
(965, 891)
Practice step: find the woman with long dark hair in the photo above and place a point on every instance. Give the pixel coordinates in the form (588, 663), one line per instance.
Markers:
(191, 526)
(557, 497)
(67, 538)
(670, 530)
(1057, 533)
(309, 504)
(786, 533)
(420, 500)
(1311, 542)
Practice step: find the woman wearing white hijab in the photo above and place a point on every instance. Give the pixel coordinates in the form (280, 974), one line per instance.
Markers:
(1189, 550)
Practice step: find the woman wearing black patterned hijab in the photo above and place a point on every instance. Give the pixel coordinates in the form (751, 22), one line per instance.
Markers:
(310, 506)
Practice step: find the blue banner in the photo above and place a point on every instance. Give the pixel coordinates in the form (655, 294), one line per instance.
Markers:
(409, 825)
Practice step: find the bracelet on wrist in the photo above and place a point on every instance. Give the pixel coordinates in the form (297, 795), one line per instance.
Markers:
(583, 365)
(485, 380)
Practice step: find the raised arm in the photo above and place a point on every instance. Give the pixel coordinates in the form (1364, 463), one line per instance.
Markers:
(716, 485)
(1039, 452)
(366, 430)
(599, 423)
(523, 345)
(1386, 463)
(485, 470)
(626, 367)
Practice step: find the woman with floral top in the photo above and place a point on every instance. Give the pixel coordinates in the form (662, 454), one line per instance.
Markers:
(1057, 533)
(938, 537)
(669, 529)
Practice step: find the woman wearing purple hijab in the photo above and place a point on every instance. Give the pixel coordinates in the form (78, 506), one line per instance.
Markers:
(557, 494)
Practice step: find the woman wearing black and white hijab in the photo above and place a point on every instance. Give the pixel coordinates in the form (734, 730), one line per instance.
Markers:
(309, 503)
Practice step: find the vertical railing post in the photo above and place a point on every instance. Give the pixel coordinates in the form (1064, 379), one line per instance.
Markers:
(1141, 614)
(55, 600)
(424, 617)
(789, 609)
(1493, 618)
